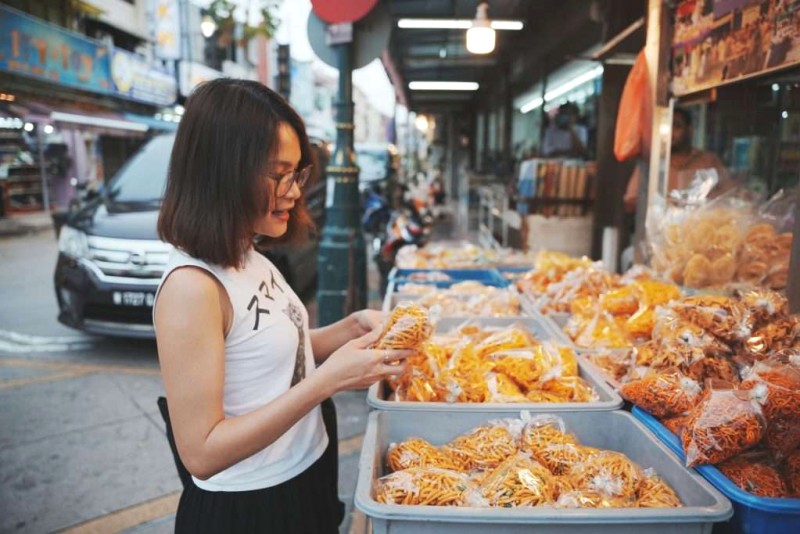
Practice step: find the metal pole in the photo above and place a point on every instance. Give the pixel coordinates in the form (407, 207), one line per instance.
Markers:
(43, 167)
(342, 263)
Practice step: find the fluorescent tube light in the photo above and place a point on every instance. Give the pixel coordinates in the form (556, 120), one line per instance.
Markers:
(455, 24)
(562, 89)
(443, 86)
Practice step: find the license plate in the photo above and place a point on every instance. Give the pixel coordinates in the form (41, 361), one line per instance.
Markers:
(133, 298)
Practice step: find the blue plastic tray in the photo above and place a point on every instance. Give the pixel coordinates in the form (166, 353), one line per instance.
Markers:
(751, 514)
(486, 276)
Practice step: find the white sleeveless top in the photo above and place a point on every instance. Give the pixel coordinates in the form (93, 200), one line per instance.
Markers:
(267, 350)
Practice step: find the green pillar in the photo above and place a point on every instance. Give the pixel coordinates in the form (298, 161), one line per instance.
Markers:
(342, 268)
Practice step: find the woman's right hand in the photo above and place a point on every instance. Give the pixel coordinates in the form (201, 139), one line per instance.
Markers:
(354, 366)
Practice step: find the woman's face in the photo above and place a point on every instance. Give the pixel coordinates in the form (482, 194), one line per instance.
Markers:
(275, 220)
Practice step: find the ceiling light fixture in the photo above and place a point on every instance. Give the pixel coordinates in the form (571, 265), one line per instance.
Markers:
(443, 86)
(455, 24)
(562, 89)
(481, 36)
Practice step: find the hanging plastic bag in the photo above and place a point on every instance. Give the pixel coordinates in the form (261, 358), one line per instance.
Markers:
(635, 115)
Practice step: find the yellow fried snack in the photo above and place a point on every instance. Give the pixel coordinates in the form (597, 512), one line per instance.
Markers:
(655, 493)
(408, 328)
(517, 481)
(483, 448)
(423, 486)
(417, 452)
(610, 473)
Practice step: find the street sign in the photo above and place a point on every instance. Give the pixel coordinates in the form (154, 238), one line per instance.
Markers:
(336, 11)
(370, 37)
(339, 33)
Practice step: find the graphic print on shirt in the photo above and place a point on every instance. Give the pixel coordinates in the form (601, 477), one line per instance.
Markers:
(263, 291)
(295, 315)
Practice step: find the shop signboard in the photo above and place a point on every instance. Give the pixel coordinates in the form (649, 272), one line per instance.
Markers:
(134, 78)
(724, 41)
(192, 74)
(167, 28)
(34, 48)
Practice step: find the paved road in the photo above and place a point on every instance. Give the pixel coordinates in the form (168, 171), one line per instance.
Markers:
(82, 444)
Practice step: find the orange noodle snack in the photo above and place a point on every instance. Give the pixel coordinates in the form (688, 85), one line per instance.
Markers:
(791, 473)
(776, 386)
(544, 430)
(416, 452)
(676, 424)
(518, 481)
(408, 328)
(486, 446)
(662, 393)
(422, 486)
(610, 473)
(560, 458)
(725, 423)
(752, 474)
(655, 493)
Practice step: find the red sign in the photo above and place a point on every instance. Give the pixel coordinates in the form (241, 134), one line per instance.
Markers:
(337, 11)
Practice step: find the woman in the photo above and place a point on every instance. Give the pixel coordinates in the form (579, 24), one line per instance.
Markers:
(238, 359)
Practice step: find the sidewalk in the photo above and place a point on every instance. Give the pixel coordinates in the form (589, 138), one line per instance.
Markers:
(25, 223)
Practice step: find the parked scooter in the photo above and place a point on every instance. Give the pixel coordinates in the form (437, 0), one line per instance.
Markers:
(409, 225)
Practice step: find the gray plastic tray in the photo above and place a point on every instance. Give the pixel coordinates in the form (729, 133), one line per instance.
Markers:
(608, 398)
(618, 431)
(393, 298)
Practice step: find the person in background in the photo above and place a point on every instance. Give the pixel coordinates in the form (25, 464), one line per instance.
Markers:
(564, 137)
(244, 374)
(684, 161)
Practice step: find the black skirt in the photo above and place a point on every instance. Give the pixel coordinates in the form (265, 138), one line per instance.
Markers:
(308, 503)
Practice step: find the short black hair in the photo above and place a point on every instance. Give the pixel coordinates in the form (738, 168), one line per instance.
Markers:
(685, 114)
(215, 187)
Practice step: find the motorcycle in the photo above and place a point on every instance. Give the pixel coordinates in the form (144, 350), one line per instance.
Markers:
(410, 225)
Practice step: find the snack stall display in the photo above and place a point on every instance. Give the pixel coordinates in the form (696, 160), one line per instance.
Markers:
(486, 472)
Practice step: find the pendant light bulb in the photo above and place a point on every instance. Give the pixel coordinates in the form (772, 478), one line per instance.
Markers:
(481, 36)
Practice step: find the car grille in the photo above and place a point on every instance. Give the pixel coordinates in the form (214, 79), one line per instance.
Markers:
(119, 314)
(129, 258)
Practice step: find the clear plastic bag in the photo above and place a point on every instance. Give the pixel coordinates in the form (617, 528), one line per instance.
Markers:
(663, 393)
(417, 452)
(591, 499)
(726, 422)
(423, 486)
(409, 326)
(655, 493)
(791, 473)
(543, 430)
(516, 482)
(609, 473)
(486, 446)
(753, 473)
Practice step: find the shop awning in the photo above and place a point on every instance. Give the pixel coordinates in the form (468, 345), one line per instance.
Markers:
(112, 121)
(152, 122)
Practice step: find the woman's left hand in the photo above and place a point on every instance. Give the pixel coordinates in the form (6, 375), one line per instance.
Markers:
(367, 321)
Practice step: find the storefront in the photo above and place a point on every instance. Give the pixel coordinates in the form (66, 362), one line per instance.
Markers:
(74, 109)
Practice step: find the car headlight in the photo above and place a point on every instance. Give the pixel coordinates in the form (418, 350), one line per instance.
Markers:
(73, 243)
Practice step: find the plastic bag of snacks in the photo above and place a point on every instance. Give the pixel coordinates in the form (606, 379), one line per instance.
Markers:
(610, 473)
(560, 458)
(753, 473)
(653, 492)
(791, 473)
(486, 446)
(776, 387)
(409, 326)
(540, 431)
(725, 317)
(698, 248)
(417, 452)
(725, 423)
(662, 393)
(591, 499)
(517, 481)
(423, 486)
(676, 424)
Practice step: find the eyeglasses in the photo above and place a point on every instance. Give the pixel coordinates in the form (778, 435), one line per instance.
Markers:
(287, 180)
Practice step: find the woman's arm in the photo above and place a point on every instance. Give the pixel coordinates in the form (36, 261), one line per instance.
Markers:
(193, 366)
(325, 340)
